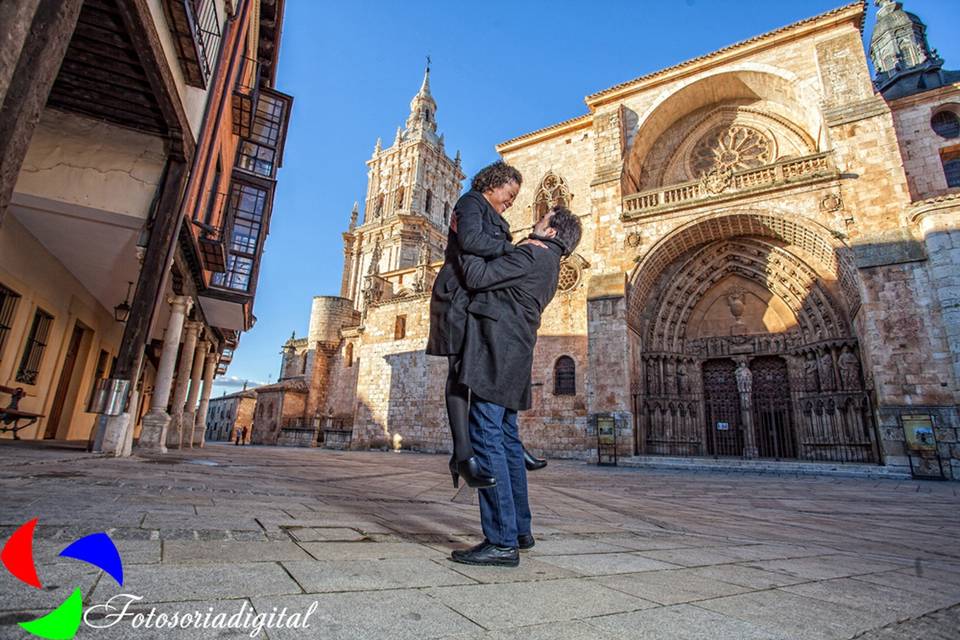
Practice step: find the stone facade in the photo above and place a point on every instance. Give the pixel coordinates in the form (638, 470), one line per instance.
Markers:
(769, 268)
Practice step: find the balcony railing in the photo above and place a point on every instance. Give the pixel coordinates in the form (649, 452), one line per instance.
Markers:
(196, 29)
(719, 185)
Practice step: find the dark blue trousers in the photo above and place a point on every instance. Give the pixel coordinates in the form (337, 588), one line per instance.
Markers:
(504, 508)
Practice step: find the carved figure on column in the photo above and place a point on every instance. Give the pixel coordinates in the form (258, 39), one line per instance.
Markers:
(744, 377)
(810, 372)
(849, 369)
(652, 386)
(669, 377)
(683, 380)
(825, 362)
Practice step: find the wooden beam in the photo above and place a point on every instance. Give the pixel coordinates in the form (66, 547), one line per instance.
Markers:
(37, 65)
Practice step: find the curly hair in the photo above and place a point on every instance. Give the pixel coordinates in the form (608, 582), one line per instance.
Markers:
(568, 228)
(495, 175)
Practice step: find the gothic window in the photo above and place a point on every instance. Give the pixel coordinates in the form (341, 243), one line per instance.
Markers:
(951, 168)
(400, 328)
(446, 213)
(349, 355)
(552, 192)
(564, 377)
(303, 363)
(399, 202)
(428, 204)
(946, 124)
(730, 147)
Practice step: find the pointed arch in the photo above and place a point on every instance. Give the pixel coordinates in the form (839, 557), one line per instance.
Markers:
(551, 192)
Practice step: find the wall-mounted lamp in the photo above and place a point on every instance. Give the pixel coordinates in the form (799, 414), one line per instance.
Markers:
(122, 311)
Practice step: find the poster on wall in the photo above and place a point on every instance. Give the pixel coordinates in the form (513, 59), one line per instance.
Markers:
(919, 433)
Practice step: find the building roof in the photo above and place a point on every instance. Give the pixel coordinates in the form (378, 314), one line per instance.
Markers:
(295, 385)
(245, 393)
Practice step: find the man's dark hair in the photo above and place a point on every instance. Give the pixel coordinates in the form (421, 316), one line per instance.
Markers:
(568, 229)
(495, 175)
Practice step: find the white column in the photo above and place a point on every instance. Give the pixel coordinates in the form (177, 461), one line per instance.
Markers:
(175, 430)
(153, 435)
(190, 409)
(200, 428)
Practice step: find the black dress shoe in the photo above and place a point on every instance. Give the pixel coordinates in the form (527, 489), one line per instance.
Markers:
(486, 553)
(525, 541)
(531, 463)
(472, 475)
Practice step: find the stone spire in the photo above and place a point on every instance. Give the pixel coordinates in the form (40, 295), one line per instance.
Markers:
(398, 137)
(422, 122)
(378, 147)
(902, 58)
(354, 214)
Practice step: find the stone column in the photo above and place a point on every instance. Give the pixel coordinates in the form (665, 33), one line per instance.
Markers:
(153, 435)
(190, 409)
(200, 426)
(175, 430)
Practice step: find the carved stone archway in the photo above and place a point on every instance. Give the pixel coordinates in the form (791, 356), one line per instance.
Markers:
(729, 298)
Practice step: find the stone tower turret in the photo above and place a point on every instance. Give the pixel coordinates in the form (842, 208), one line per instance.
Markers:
(902, 58)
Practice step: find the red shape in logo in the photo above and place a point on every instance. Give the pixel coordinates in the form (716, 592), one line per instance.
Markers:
(17, 555)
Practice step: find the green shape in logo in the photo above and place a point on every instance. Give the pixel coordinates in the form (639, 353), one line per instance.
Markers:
(60, 624)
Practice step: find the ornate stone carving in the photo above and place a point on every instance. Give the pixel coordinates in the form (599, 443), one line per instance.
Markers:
(810, 372)
(731, 148)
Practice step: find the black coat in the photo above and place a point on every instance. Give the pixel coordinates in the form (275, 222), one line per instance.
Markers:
(481, 231)
(502, 325)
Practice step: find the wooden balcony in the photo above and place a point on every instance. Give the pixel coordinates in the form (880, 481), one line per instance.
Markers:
(719, 186)
(213, 250)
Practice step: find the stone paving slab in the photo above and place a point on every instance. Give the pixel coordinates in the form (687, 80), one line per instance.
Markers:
(670, 587)
(575, 630)
(500, 606)
(750, 577)
(221, 552)
(795, 617)
(596, 564)
(368, 575)
(169, 583)
(58, 581)
(369, 550)
(825, 567)
(530, 570)
(395, 615)
(683, 622)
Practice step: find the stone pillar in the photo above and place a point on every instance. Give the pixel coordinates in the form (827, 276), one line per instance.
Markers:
(200, 426)
(175, 430)
(34, 36)
(190, 408)
(153, 435)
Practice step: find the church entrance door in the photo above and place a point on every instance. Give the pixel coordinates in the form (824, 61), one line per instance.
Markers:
(724, 436)
(776, 437)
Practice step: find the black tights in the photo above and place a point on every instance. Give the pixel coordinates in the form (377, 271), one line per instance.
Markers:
(458, 410)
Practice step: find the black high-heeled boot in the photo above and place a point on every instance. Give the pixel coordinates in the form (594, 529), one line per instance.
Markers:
(472, 475)
(531, 463)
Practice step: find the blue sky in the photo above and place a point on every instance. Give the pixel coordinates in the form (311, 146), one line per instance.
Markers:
(500, 69)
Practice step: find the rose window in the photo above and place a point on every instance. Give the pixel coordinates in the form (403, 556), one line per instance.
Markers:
(569, 276)
(735, 148)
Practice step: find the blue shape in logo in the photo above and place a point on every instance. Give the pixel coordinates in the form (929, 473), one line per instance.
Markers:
(97, 549)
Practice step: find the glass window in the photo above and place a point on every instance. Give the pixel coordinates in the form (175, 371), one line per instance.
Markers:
(946, 124)
(951, 170)
(565, 377)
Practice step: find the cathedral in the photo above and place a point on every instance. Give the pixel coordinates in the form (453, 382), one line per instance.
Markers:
(770, 266)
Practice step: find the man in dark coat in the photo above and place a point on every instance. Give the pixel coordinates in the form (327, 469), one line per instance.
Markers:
(496, 365)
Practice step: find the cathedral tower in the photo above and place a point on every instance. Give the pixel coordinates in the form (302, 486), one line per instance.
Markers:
(411, 189)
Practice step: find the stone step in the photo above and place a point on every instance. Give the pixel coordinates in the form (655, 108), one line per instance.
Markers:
(845, 469)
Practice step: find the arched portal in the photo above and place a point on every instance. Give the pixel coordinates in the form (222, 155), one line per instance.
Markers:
(744, 322)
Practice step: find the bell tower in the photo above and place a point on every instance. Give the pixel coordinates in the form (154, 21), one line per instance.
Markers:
(411, 189)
